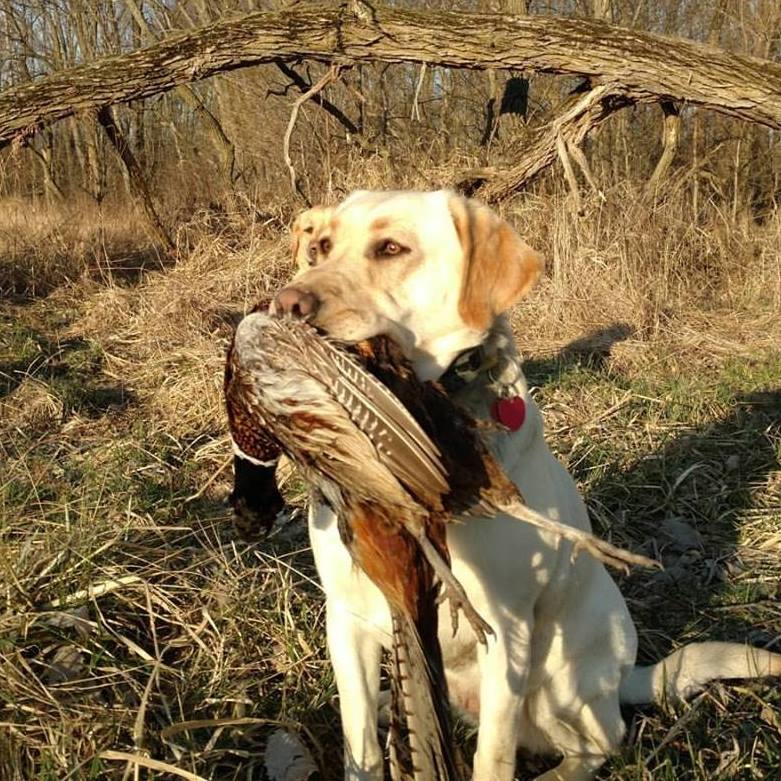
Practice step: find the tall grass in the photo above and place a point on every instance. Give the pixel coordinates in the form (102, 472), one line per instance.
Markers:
(133, 618)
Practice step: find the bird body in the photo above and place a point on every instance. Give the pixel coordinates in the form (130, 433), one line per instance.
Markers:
(383, 476)
(397, 461)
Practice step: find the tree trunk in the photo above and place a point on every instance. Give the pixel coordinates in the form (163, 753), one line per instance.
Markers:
(642, 65)
(44, 156)
(188, 95)
(96, 175)
(134, 177)
(513, 103)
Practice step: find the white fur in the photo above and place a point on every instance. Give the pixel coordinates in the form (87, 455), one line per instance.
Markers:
(564, 652)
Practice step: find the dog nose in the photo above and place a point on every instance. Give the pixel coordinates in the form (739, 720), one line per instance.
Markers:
(296, 303)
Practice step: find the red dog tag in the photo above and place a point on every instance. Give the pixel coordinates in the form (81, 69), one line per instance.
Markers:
(509, 412)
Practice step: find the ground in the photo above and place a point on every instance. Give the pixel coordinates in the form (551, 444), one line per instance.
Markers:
(135, 620)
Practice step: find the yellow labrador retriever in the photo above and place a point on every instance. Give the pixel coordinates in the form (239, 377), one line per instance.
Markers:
(435, 271)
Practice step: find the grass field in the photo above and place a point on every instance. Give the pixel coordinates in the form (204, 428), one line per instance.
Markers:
(135, 620)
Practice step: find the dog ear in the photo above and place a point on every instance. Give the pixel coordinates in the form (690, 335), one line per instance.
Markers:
(305, 226)
(499, 267)
(299, 239)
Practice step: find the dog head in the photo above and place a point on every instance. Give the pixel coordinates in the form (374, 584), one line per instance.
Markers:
(432, 270)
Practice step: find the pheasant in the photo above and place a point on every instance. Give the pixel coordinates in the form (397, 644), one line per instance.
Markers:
(288, 389)
(466, 478)
(364, 435)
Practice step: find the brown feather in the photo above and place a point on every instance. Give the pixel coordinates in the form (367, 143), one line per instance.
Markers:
(380, 470)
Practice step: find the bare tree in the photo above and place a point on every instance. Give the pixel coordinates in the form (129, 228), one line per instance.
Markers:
(416, 81)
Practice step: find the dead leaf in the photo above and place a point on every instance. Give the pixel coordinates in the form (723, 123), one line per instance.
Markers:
(770, 716)
(682, 536)
(66, 665)
(76, 619)
(287, 758)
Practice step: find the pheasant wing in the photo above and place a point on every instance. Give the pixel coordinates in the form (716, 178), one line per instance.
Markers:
(400, 443)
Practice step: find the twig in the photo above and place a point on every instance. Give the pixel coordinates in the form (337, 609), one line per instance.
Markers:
(249, 721)
(415, 113)
(200, 492)
(91, 592)
(331, 75)
(599, 418)
(583, 540)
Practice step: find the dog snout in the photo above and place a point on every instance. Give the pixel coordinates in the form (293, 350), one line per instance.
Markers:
(293, 302)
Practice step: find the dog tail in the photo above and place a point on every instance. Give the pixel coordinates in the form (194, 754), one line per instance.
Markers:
(686, 671)
(421, 746)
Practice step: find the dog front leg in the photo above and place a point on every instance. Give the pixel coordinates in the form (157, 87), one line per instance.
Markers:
(355, 656)
(504, 669)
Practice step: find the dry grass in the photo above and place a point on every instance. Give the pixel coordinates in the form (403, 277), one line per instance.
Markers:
(130, 609)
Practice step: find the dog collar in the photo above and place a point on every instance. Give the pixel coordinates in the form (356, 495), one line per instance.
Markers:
(508, 409)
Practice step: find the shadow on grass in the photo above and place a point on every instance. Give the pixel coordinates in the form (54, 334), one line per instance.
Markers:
(129, 268)
(710, 478)
(706, 476)
(72, 368)
(24, 279)
(591, 351)
(709, 482)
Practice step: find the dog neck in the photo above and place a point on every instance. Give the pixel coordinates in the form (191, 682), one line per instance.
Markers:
(488, 371)
(434, 357)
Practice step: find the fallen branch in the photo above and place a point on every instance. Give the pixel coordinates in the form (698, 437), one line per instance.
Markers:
(569, 172)
(670, 135)
(135, 176)
(577, 155)
(643, 66)
(584, 113)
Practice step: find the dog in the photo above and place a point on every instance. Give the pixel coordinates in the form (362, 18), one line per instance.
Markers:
(435, 272)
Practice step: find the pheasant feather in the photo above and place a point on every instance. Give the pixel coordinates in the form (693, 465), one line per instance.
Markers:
(366, 440)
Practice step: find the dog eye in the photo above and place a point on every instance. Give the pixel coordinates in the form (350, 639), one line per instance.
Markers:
(388, 248)
(325, 246)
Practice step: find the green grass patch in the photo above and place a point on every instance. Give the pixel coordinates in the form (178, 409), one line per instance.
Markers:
(130, 607)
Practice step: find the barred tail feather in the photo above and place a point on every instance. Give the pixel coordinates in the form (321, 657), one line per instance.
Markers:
(421, 746)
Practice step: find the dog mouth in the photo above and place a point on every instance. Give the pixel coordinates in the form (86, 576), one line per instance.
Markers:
(346, 324)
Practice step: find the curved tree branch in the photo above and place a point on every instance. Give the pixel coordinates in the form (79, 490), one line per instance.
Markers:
(645, 66)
